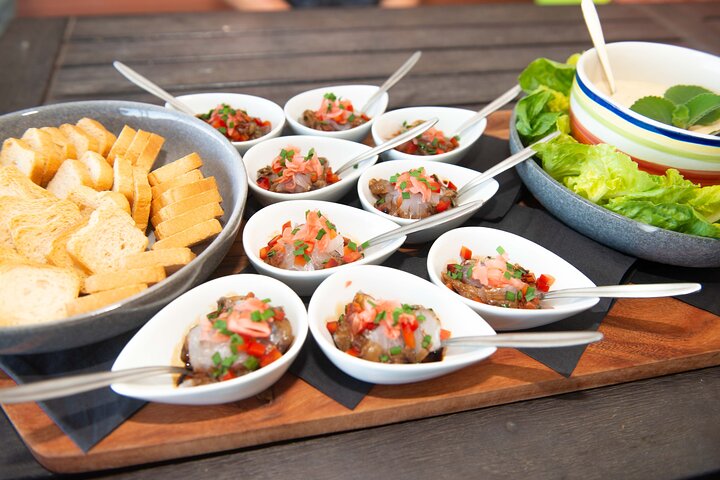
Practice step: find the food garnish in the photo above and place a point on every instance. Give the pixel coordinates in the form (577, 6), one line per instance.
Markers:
(335, 114)
(413, 194)
(682, 106)
(243, 334)
(235, 123)
(430, 142)
(294, 172)
(493, 280)
(388, 331)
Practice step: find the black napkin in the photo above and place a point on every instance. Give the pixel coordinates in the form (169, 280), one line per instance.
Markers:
(87, 417)
(706, 299)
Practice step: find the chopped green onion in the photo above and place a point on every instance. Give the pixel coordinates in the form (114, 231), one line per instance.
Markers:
(266, 300)
(396, 350)
(365, 245)
(268, 314)
(216, 358)
(256, 316)
(403, 185)
(510, 296)
(321, 233)
(500, 250)
(330, 96)
(379, 317)
(394, 178)
(406, 195)
(420, 318)
(251, 363)
(384, 358)
(426, 341)
(530, 293)
(352, 246)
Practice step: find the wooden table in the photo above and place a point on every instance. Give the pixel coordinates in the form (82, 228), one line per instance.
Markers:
(665, 427)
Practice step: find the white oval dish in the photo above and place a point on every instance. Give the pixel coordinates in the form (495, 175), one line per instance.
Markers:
(254, 106)
(387, 283)
(353, 223)
(160, 341)
(531, 256)
(357, 94)
(455, 173)
(336, 150)
(449, 119)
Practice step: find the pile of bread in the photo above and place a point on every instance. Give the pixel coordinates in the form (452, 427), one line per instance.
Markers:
(75, 204)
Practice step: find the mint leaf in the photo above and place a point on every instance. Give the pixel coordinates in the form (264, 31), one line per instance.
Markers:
(702, 106)
(681, 116)
(680, 94)
(656, 108)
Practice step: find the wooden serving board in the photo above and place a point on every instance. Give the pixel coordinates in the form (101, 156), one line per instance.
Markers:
(643, 338)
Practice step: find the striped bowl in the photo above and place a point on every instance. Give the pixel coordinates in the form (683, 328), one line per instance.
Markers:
(596, 118)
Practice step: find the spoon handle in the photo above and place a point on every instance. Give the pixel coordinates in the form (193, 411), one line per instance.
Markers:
(489, 108)
(393, 79)
(428, 222)
(526, 340)
(151, 87)
(506, 164)
(64, 386)
(596, 34)
(392, 143)
(627, 291)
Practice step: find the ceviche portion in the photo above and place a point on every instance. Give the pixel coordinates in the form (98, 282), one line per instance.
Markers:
(235, 123)
(413, 194)
(294, 172)
(388, 331)
(431, 142)
(335, 114)
(313, 245)
(496, 281)
(243, 334)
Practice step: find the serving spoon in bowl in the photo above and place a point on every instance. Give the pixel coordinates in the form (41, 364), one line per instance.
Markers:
(491, 107)
(151, 87)
(392, 80)
(649, 290)
(592, 21)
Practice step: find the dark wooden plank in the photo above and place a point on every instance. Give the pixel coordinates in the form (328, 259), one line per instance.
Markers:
(691, 23)
(236, 45)
(30, 47)
(318, 19)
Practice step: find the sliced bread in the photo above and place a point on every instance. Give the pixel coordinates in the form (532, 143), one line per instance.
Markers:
(70, 175)
(137, 145)
(142, 197)
(175, 169)
(60, 257)
(52, 154)
(183, 206)
(61, 140)
(120, 278)
(169, 258)
(185, 178)
(149, 153)
(186, 220)
(119, 148)
(13, 183)
(104, 138)
(33, 233)
(18, 153)
(192, 236)
(10, 207)
(181, 192)
(89, 199)
(101, 173)
(123, 178)
(79, 139)
(92, 302)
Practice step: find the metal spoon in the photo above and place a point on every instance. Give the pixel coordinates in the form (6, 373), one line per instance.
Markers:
(392, 143)
(488, 109)
(651, 290)
(526, 340)
(62, 387)
(506, 164)
(596, 34)
(151, 87)
(393, 79)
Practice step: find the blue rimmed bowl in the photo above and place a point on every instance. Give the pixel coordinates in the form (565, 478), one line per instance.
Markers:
(641, 69)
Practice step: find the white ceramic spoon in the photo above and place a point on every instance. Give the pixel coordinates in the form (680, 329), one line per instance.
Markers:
(596, 34)
(393, 79)
(151, 87)
(651, 290)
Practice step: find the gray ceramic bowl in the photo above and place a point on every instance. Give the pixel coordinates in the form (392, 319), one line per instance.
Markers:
(609, 228)
(183, 134)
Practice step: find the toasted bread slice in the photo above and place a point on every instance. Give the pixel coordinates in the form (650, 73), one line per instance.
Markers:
(149, 153)
(13, 206)
(183, 206)
(101, 173)
(185, 178)
(137, 145)
(109, 236)
(142, 197)
(196, 215)
(14, 183)
(10, 255)
(192, 236)
(175, 169)
(104, 138)
(62, 141)
(33, 233)
(181, 192)
(52, 154)
(70, 175)
(120, 147)
(89, 199)
(35, 293)
(80, 140)
(92, 302)
(120, 278)
(171, 259)
(60, 257)
(123, 178)
(18, 153)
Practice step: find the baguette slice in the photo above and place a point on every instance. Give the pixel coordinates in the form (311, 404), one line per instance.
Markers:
(139, 141)
(120, 278)
(184, 179)
(101, 299)
(13, 183)
(104, 138)
(183, 191)
(79, 139)
(175, 169)
(183, 206)
(101, 173)
(70, 175)
(109, 236)
(171, 259)
(192, 236)
(89, 199)
(142, 197)
(149, 153)
(35, 293)
(186, 220)
(33, 233)
(120, 147)
(18, 153)
(123, 178)
(61, 140)
(42, 143)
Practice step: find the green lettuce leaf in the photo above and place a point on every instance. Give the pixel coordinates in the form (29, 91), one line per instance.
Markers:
(706, 201)
(554, 75)
(671, 216)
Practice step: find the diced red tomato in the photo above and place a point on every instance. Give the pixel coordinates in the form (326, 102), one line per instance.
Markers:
(264, 252)
(264, 183)
(465, 253)
(332, 327)
(442, 206)
(278, 314)
(270, 357)
(444, 334)
(545, 282)
(331, 263)
(274, 240)
(353, 351)
(408, 336)
(256, 349)
(228, 376)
